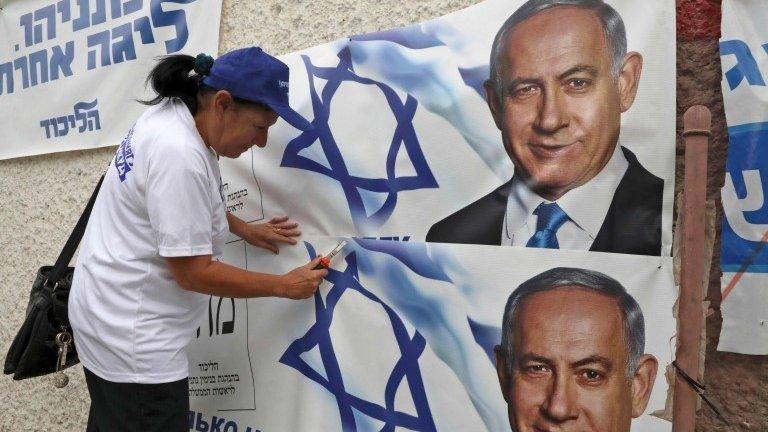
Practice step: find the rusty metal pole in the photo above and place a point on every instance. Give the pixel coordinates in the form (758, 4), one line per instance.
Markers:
(696, 133)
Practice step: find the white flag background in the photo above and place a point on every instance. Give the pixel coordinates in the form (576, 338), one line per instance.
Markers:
(400, 334)
(404, 136)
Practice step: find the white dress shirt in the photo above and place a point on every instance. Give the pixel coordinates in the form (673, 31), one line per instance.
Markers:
(586, 207)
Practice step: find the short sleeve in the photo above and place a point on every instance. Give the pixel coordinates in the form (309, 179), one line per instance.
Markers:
(179, 205)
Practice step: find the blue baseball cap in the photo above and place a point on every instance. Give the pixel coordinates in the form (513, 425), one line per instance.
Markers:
(253, 75)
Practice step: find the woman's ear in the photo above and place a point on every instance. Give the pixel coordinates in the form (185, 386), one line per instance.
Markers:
(222, 101)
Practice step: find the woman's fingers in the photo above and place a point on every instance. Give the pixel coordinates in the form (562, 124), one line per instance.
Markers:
(268, 245)
(278, 219)
(288, 239)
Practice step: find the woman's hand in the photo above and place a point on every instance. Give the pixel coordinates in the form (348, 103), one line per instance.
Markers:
(267, 235)
(301, 282)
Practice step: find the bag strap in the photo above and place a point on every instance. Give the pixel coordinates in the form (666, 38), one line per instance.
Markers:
(74, 239)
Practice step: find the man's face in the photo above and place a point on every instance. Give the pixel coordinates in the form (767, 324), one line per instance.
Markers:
(570, 364)
(560, 106)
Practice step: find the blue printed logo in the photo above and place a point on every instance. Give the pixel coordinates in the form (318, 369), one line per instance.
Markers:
(403, 139)
(85, 118)
(124, 157)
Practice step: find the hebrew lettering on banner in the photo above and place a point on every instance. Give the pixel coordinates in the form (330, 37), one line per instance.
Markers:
(744, 254)
(85, 117)
(87, 50)
(241, 192)
(401, 336)
(221, 371)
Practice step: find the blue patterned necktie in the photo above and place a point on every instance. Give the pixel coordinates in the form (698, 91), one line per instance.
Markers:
(550, 217)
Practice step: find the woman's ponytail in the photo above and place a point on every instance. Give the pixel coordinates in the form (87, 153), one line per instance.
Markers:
(174, 76)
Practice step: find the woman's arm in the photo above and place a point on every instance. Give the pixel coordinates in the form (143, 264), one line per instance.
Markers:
(204, 275)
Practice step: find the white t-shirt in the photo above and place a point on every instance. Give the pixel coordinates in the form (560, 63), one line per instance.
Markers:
(161, 197)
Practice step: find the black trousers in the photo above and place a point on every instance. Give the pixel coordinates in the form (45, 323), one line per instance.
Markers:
(129, 407)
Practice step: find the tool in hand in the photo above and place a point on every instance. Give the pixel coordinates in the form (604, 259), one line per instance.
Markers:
(325, 261)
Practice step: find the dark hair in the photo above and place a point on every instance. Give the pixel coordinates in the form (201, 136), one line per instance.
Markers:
(175, 76)
(634, 324)
(613, 28)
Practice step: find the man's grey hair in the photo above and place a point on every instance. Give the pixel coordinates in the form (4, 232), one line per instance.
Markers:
(613, 28)
(634, 324)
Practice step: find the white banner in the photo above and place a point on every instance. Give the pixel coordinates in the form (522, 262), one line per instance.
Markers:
(404, 137)
(71, 70)
(400, 336)
(744, 256)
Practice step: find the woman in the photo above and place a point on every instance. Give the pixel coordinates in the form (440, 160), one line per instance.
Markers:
(149, 258)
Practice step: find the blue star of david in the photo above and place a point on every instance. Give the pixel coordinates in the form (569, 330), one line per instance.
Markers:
(407, 366)
(404, 136)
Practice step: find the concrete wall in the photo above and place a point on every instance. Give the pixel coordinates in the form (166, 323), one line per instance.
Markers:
(42, 196)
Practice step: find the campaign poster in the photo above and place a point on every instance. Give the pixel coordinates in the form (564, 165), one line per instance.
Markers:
(426, 132)
(410, 336)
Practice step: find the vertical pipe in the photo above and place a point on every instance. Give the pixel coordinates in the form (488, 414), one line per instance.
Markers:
(696, 133)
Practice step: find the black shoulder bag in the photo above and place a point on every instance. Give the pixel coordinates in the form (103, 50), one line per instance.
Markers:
(44, 343)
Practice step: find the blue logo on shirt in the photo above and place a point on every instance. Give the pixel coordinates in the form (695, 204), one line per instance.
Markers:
(124, 157)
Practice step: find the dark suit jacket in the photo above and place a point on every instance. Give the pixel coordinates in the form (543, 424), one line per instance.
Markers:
(631, 226)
